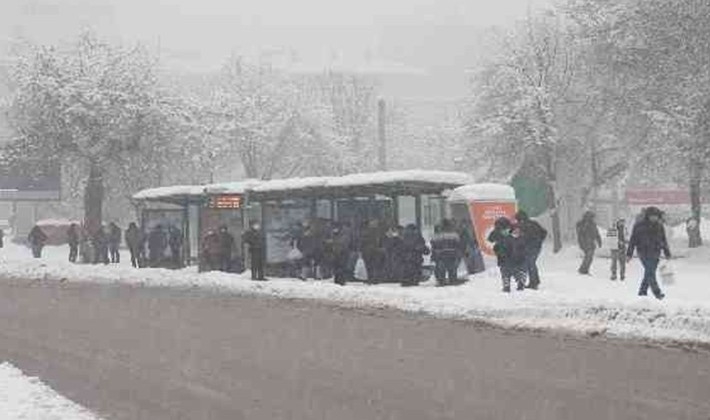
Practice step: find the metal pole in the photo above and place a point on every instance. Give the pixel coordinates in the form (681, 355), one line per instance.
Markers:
(381, 114)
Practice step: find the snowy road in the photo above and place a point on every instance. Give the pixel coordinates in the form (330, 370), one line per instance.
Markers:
(149, 353)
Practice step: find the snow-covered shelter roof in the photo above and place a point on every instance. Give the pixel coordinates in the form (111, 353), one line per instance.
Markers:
(483, 192)
(238, 187)
(392, 182)
(175, 193)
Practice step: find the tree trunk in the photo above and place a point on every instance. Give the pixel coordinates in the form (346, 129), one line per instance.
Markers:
(694, 237)
(93, 199)
(555, 218)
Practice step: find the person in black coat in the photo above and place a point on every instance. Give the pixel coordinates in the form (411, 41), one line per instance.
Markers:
(226, 248)
(157, 243)
(311, 252)
(533, 235)
(589, 240)
(394, 254)
(73, 241)
(37, 239)
(340, 247)
(134, 241)
(256, 246)
(648, 239)
(372, 250)
(510, 250)
(114, 242)
(175, 244)
(413, 256)
(447, 249)
(100, 242)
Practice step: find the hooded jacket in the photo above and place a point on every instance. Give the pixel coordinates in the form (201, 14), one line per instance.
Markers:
(649, 238)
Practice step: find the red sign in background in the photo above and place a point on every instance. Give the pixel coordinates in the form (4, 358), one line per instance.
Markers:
(484, 216)
(651, 197)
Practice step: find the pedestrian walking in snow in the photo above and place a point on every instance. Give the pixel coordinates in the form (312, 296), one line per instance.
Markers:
(589, 240)
(134, 241)
(73, 241)
(157, 243)
(37, 240)
(617, 240)
(447, 249)
(256, 246)
(648, 239)
(2, 238)
(533, 235)
(413, 255)
(114, 242)
(511, 253)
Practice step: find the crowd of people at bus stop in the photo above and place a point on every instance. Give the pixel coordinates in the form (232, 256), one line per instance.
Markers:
(378, 252)
(160, 247)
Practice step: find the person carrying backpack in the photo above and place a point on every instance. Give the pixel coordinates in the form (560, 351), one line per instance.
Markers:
(533, 236)
(617, 239)
(510, 250)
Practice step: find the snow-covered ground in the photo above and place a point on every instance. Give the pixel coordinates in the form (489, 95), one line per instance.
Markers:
(27, 398)
(587, 304)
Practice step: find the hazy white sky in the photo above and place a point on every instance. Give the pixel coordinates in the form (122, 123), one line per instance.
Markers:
(202, 30)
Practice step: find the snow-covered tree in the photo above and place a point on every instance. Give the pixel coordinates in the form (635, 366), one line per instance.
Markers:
(519, 103)
(87, 105)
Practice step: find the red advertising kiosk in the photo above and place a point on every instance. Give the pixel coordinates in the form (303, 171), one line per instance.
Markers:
(480, 205)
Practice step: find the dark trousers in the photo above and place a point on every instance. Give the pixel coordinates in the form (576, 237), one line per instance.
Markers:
(37, 251)
(101, 255)
(135, 257)
(155, 256)
(73, 252)
(412, 273)
(175, 257)
(445, 270)
(587, 261)
(341, 265)
(650, 264)
(352, 261)
(533, 273)
(618, 260)
(517, 273)
(257, 264)
(115, 255)
(373, 265)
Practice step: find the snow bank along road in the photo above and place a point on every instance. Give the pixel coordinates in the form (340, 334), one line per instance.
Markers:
(126, 352)
(23, 397)
(591, 305)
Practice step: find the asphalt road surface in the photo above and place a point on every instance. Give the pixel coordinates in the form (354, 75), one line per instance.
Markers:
(138, 353)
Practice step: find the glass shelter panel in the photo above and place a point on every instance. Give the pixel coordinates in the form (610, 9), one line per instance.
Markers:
(407, 209)
(282, 220)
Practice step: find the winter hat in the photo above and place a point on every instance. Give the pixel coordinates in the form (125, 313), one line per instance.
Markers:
(653, 211)
(503, 223)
